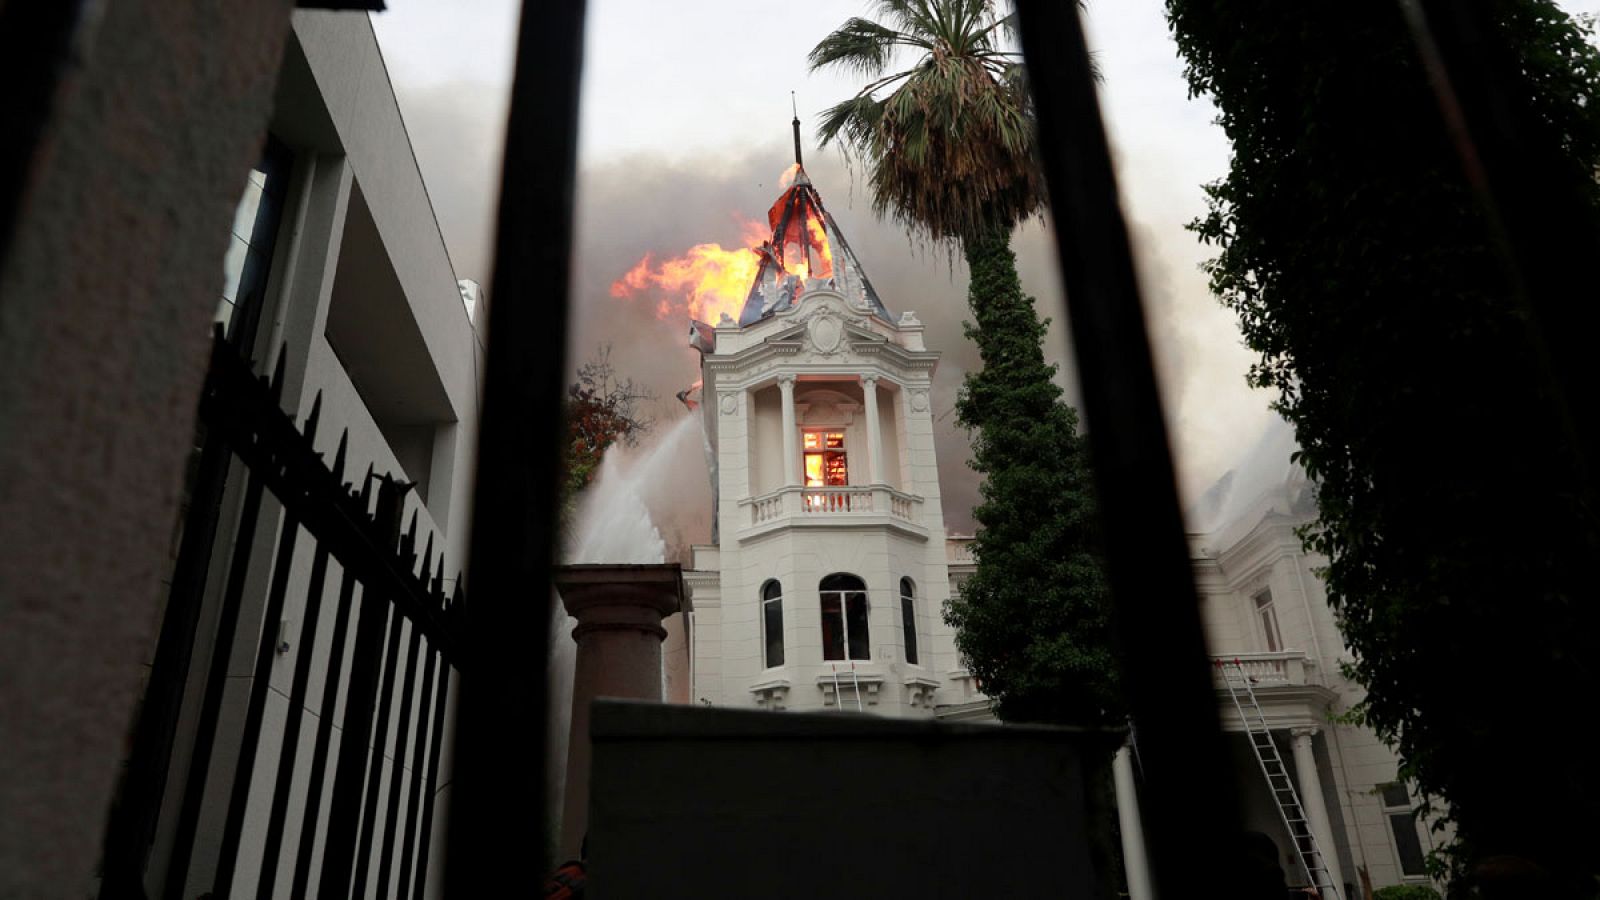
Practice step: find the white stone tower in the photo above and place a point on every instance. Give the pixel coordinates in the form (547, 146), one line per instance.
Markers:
(826, 582)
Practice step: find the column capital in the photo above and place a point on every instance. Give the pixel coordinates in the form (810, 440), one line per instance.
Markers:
(870, 378)
(620, 597)
(786, 381)
(1305, 731)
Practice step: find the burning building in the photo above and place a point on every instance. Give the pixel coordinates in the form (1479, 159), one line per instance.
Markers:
(827, 571)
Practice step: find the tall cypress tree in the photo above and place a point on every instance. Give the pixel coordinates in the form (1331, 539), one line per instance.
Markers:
(948, 143)
(1033, 621)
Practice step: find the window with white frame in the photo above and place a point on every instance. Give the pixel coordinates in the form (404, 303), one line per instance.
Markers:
(772, 623)
(1403, 826)
(825, 461)
(908, 617)
(1268, 616)
(844, 618)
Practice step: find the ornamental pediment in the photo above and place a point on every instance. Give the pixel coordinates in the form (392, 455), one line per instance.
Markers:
(825, 330)
(824, 327)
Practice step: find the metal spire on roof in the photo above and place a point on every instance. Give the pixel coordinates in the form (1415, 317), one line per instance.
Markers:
(796, 107)
(821, 258)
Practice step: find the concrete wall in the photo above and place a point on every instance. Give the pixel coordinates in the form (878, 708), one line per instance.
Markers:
(105, 293)
(689, 802)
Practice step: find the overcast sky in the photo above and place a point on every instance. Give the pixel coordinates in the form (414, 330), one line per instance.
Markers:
(685, 127)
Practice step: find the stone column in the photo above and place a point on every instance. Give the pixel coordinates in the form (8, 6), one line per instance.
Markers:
(869, 390)
(619, 611)
(1133, 857)
(791, 433)
(1305, 765)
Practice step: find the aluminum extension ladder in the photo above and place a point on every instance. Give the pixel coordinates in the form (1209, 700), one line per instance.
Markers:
(838, 689)
(1241, 689)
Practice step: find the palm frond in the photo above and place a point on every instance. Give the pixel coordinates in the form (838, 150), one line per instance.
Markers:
(948, 142)
(909, 16)
(858, 46)
(851, 124)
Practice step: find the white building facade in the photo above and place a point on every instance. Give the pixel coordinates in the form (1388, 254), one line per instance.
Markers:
(1265, 609)
(1264, 605)
(825, 586)
(830, 563)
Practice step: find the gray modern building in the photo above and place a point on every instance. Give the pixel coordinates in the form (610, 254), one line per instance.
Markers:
(336, 274)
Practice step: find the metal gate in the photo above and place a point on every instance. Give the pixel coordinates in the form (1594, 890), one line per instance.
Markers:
(379, 790)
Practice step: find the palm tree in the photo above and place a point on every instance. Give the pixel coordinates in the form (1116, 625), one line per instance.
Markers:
(950, 140)
(948, 147)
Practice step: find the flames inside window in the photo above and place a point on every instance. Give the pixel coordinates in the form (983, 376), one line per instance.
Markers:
(825, 464)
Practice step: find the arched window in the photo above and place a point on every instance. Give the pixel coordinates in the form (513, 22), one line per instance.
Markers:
(908, 616)
(772, 623)
(844, 618)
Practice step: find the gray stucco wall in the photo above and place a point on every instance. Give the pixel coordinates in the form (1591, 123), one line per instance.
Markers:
(105, 300)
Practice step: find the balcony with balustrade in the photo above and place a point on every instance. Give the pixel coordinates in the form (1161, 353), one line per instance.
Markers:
(794, 506)
(1289, 685)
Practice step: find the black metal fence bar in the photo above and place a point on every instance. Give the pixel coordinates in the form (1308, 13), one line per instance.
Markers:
(1192, 823)
(215, 685)
(425, 828)
(288, 750)
(319, 751)
(402, 733)
(498, 804)
(344, 812)
(419, 760)
(255, 709)
(374, 775)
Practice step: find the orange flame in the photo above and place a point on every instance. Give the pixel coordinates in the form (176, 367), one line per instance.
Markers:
(705, 282)
(709, 280)
(823, 267)
(787, 178)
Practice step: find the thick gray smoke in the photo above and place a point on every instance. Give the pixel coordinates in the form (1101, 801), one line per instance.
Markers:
(651, 204)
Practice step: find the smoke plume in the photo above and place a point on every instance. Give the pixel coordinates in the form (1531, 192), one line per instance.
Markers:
(652, 204)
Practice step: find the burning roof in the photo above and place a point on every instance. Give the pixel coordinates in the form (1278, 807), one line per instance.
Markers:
(806, 251)
(799, 248)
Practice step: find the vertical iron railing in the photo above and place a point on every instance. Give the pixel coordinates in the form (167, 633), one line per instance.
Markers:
(1192, 824)
(498, 808)
(244, 421)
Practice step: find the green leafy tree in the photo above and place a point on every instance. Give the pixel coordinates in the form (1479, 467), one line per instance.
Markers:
(1413, 263)
(948, 146)
(602, 410)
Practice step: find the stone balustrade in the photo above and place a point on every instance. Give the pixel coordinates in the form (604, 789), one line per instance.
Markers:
(829, 502)
(1268, 669)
